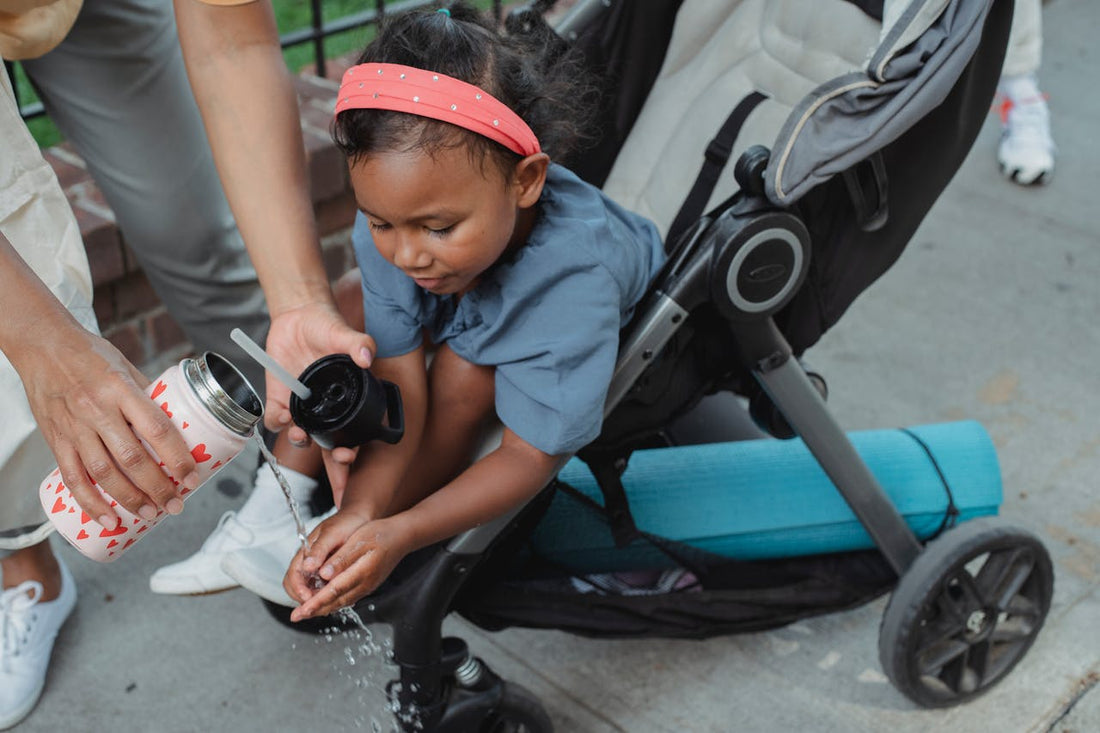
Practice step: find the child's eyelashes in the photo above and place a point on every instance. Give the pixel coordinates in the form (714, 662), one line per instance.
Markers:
(441, 231)
(432, 231)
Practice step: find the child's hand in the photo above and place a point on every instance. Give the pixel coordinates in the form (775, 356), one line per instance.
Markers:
(352, 555)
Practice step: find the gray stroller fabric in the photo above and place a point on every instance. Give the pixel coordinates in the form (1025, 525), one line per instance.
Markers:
(924, 47)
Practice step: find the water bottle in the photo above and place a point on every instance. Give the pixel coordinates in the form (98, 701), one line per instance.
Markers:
(348, 406)
(215, 409)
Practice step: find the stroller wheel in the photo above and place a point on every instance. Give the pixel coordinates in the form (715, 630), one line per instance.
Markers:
(965, 612)
(519, 711)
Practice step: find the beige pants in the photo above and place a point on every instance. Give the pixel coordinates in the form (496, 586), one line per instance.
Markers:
(1025, 43)
(35, 217)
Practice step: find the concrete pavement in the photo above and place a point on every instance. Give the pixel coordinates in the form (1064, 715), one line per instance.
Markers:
(991, 314)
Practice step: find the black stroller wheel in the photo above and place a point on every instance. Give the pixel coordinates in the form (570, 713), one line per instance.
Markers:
(519, 711)
(965, 612)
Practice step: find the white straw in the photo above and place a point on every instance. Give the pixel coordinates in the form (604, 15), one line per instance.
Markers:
(269, 364)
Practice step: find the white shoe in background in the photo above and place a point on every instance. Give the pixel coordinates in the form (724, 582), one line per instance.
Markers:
(202, 572)
(261, 568)
(28, 628)
(1026, 150)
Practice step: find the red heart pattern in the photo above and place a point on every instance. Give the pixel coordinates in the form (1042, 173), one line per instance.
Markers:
(119, 537)
(120, 529)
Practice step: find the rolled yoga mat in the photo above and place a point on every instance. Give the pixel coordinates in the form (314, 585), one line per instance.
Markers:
(770, 498)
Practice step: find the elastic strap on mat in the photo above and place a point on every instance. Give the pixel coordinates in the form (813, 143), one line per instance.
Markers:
(701, 563)
(608, 475)
(951, 514)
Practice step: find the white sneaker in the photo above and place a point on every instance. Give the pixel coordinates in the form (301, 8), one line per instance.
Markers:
(1026, 151)
(261, 568)
(28, 627)
(202, 572)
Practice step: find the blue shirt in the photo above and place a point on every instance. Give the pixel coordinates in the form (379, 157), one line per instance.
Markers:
(548, 318)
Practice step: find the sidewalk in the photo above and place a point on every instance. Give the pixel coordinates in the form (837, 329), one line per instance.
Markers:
(991, 314)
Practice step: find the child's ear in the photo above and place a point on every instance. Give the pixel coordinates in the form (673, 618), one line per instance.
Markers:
(528, 179)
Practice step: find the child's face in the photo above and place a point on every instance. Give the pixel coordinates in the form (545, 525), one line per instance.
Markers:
(441, 218)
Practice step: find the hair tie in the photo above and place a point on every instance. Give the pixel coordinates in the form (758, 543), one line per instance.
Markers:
(437, 96)
(445, 11)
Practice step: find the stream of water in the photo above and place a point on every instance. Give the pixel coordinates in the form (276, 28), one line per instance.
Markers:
(360, 647)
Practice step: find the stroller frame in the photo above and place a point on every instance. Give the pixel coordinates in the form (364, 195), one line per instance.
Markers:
(748, 259)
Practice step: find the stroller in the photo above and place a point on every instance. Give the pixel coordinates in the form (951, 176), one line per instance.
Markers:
(761, 264)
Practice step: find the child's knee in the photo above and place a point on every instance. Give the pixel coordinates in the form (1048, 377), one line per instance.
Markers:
(462, 386)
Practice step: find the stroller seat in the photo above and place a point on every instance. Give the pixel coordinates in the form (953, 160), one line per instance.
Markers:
(721, 53)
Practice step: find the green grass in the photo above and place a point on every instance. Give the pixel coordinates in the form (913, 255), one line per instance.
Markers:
(42, 128)
(294, 14)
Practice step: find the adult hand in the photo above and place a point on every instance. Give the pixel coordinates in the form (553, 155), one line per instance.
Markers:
(352, 555)
(91, 407)
(297, 338)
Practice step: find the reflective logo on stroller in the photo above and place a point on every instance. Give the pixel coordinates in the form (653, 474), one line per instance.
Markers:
(767, 273)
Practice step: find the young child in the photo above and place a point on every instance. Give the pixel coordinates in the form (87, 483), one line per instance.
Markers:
(520, 275)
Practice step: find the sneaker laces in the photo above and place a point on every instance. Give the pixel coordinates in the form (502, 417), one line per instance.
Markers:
(1027, 121)
(16, 619)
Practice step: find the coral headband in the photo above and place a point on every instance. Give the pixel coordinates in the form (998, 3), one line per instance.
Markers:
(440, 97)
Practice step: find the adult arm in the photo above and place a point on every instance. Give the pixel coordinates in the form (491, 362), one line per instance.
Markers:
(88, 401)
(249, 107)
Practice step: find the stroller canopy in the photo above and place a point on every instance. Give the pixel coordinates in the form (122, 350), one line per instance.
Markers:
(837, 83)
(923, 48)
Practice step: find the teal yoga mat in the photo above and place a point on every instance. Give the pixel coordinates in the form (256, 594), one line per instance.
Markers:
(770, 498)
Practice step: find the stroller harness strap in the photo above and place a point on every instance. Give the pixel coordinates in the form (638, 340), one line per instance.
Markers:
(715, 158)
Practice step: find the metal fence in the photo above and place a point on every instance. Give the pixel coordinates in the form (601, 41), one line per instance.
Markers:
(314, 34)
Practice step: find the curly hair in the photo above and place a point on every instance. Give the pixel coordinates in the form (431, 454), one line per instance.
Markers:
(527, 66)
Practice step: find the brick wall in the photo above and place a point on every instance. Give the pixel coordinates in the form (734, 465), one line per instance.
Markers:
(130, 314)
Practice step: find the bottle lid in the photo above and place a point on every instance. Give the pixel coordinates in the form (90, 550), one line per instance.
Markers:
(224, 391)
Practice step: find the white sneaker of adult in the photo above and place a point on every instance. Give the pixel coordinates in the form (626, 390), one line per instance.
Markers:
(1026, 150)
(261, 568)
(28, 627)
(202, 572)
